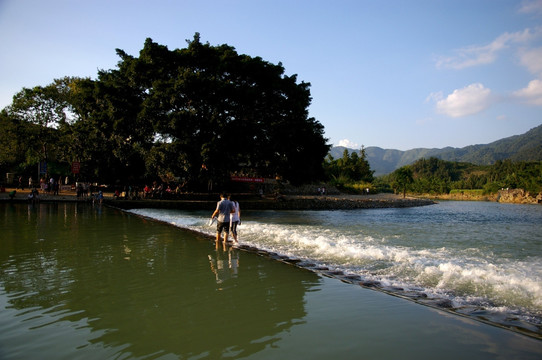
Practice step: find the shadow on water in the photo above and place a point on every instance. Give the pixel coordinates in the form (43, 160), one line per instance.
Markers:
(79, 279)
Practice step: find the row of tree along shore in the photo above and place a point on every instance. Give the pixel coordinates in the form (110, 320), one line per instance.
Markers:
(334, 200)
(442, 181)
(511, 196)
(504, 181)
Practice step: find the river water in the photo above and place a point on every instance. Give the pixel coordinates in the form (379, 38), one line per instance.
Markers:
(483, 258)
(82, 281)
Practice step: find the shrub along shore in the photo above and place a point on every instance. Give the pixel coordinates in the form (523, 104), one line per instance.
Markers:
(510, 196)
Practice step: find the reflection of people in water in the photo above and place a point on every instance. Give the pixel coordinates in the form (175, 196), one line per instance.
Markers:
(225, 264)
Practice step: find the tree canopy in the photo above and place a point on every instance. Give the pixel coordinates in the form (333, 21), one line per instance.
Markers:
(402, 178)
(351, 167)
(200, 113)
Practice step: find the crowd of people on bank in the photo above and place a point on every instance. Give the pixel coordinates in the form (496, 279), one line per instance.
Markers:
(49, 186)
(163, 191)
(156, 190)
(52, 186)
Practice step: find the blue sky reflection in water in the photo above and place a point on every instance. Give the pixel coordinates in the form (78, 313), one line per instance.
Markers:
(78, 281)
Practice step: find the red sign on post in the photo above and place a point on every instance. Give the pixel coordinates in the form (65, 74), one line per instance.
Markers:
(76, 166)
(247, 179)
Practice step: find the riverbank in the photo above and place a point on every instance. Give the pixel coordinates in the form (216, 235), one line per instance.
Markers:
(508, 196)
(195, 201)
(249, 201)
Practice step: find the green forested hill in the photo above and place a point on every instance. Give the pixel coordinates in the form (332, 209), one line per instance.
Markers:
(525, 147)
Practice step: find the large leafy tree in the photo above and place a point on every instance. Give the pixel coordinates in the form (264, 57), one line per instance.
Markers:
(201, 113)
(109, 137)
(214, 112)
(42, 114)
(14, 143)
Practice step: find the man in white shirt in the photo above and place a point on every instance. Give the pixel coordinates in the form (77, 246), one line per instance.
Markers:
(223, 209)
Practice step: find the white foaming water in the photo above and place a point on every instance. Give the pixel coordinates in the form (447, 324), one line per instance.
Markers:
(439, 271)
(470, 253)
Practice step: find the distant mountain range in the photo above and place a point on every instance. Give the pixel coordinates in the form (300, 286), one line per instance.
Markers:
(526, 147)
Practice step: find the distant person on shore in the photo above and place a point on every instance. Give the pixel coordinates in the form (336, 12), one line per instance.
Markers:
(224, 209)
(147, 192)
(235, 218)
(56, 188)
(79, 189)
(20, 185)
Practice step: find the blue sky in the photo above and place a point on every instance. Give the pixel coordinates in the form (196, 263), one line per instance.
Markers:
(395, 74)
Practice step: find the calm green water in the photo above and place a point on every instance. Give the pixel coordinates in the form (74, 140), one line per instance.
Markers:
(84, 282)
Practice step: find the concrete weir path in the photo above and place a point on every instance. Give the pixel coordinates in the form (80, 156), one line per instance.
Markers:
(286, 202)
(195, 201)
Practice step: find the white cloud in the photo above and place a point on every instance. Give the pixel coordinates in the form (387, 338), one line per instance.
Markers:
(485, 54)
(532, 94)
(531, 7)
(348, 144)
(469, 100)
(435, 96)
(532, 60)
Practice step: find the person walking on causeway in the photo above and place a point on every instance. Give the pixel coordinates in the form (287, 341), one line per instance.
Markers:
(235, 218)
(224, 209)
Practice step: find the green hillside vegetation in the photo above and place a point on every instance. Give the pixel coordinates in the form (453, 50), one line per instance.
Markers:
(436, 176)
(525, 147)
(352, 173)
